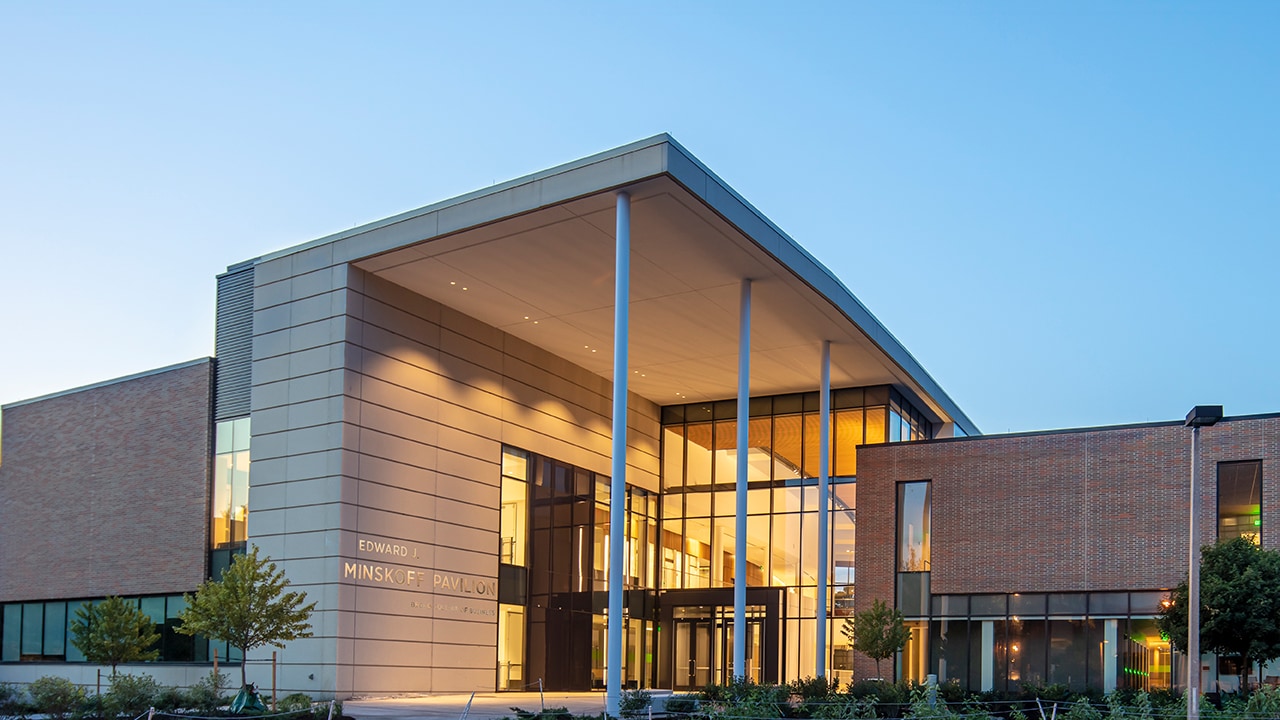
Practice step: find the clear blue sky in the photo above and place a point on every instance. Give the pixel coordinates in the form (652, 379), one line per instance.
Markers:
(1069, 213)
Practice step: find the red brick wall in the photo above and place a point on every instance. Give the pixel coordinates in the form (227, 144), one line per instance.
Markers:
(1088, 510)
(105, 490)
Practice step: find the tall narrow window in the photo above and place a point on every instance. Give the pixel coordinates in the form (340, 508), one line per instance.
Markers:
(914, 510)
(1240, 500)
(515, 507)
(230, 502)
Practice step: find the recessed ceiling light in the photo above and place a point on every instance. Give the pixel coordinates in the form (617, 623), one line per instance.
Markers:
(452, 282)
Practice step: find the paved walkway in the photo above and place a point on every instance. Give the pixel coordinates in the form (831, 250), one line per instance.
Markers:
(483, 707)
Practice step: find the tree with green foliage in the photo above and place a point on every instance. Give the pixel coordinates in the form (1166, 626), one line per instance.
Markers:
(114, 631)
(1239, 604)
(878, 632)
(248, 607)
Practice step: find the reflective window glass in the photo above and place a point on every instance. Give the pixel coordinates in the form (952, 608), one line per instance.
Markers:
(877, 429)
(914, 511)
(11, 634)
(1240, 500)
(1068, 604)
(1027, 604)
(32, 628)
(55, 628)
(988, 605)
(951, 605)
(1108, 603)
(846, 435)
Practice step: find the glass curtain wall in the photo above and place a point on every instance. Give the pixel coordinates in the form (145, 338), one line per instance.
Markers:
(699, 476)
(553, 576)
(1084, 641)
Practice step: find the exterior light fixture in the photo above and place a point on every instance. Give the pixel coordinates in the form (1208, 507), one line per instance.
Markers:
(1203, 416)
(1200, 416)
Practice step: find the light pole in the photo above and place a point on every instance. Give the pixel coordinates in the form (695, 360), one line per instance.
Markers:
(1200, 416)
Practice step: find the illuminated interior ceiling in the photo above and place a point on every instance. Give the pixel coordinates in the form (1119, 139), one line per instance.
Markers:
(546, 276)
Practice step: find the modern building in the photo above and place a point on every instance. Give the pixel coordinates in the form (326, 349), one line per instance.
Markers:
(1045, 557)
(447, 428)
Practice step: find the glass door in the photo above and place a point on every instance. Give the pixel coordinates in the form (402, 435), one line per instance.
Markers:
(704, 645)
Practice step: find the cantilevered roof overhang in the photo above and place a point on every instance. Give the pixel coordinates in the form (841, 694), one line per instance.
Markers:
(535, 258)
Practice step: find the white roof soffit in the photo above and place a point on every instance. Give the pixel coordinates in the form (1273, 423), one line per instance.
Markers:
(535, 257)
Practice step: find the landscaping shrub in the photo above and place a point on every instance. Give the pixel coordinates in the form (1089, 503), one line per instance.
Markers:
(11, 704)
(206, 695)
(171, 699)
(633, 703)
(1082, 709)
(744, 698)
(551, 713)
(1053, 692)
(130, 695)
(56, 697)
(295, 702)
(682, 704)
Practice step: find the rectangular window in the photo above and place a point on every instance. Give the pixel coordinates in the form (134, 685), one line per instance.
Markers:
(1240, 500)
(230, 492)
(914, 511)
(11, 634)
(514, 514)
(33, 629)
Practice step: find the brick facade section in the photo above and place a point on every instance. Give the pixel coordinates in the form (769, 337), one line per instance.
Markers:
(1100, 509)
(105, 491)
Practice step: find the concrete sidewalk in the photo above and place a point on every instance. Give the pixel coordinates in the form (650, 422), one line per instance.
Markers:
(484, 706)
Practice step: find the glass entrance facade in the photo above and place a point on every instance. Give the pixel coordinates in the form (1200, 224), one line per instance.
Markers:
(681, 548)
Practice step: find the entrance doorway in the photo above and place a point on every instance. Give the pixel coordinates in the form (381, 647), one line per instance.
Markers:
(704, 645)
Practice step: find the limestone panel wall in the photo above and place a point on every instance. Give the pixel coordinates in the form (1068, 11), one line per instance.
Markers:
(439, 394)
(378, 418)
(105, 490)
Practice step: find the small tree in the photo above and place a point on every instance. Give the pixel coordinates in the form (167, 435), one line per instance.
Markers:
(1239, 604)
(114, 631)
(248, 607)
(877, 633)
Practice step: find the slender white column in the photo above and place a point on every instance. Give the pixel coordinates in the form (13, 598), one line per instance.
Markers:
(740, 527)
(824, 503)
(618, 483)
(1193, 586)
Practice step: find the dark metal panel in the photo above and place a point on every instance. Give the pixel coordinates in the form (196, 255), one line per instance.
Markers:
(233, 343)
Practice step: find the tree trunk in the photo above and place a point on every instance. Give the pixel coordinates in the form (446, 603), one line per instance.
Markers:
(243, 658)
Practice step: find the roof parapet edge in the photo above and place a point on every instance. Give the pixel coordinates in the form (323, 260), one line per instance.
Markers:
(104, 383)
